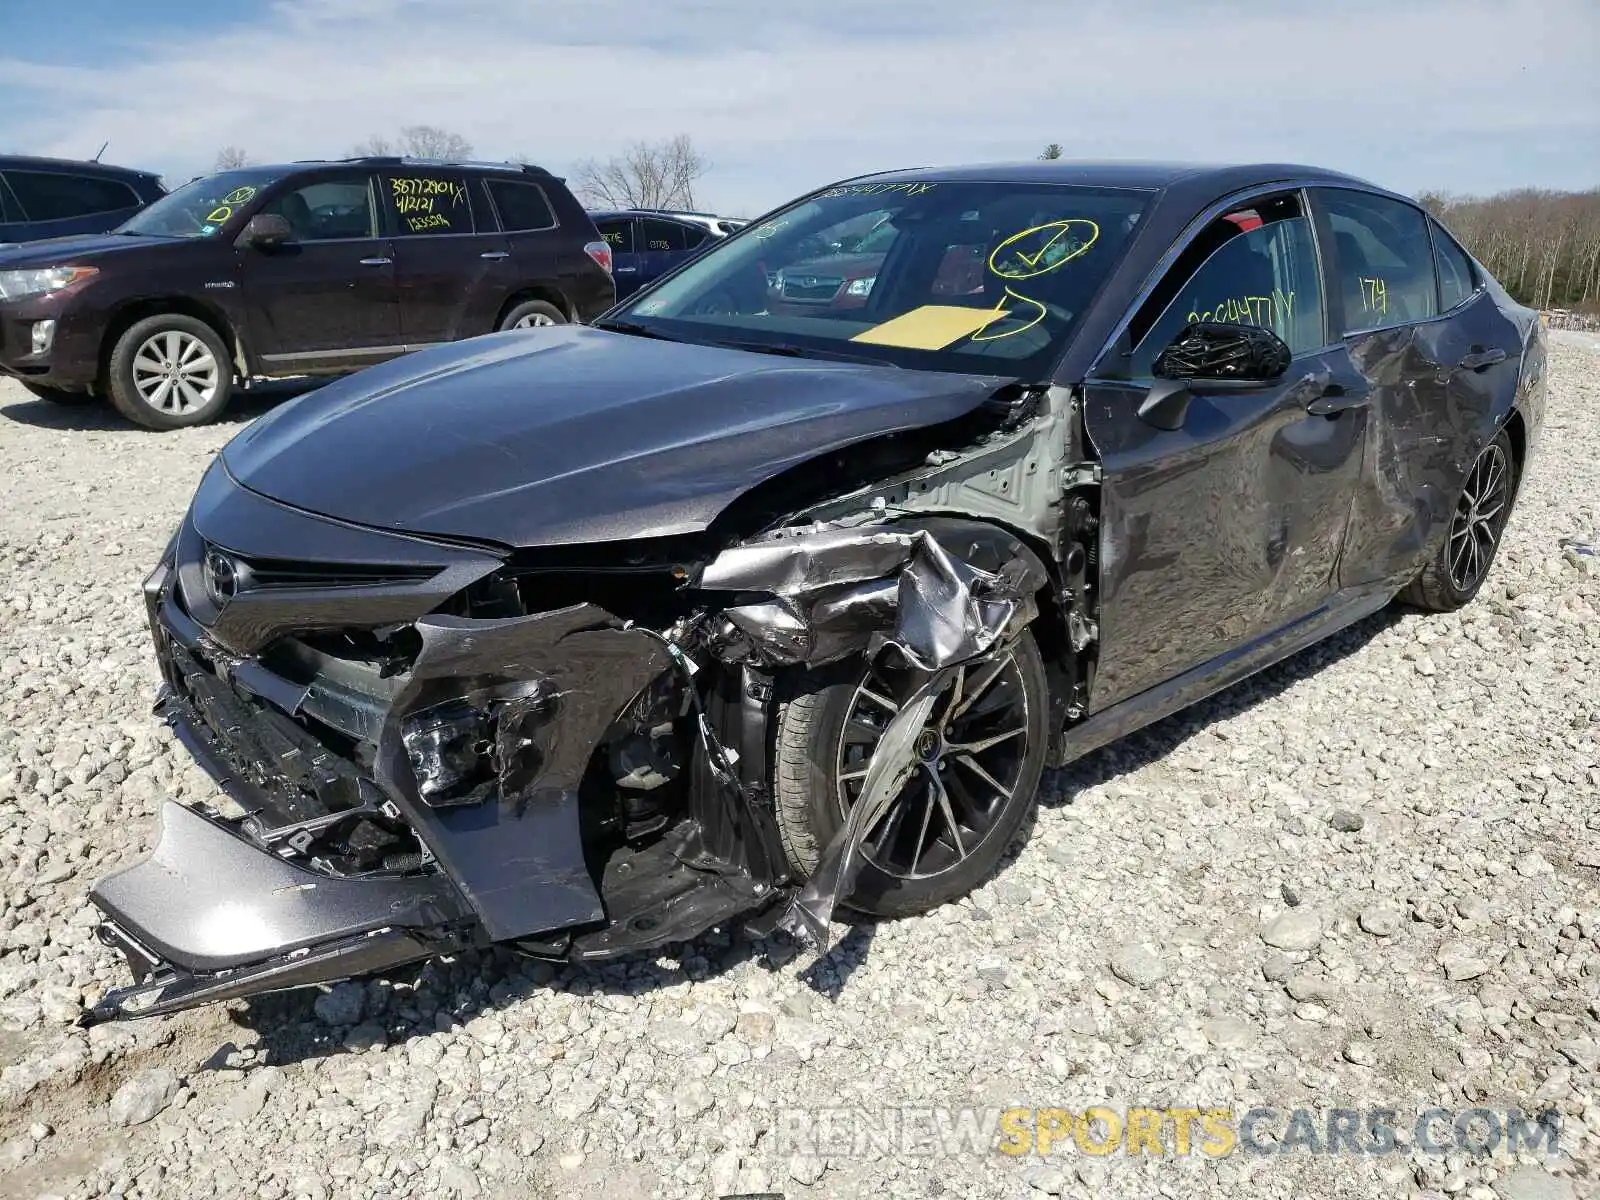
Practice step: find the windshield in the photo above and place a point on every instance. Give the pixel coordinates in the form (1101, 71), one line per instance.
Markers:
(201, 208)
(984, 278)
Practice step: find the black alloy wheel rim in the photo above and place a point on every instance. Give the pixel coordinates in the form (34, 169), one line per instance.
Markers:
(967, 765)
(1480, 517)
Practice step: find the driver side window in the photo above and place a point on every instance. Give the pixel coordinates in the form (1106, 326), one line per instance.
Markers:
(1256, 265)
(328, 209)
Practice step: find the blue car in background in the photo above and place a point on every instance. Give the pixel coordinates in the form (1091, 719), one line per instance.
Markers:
(58, 197)
(646, 243)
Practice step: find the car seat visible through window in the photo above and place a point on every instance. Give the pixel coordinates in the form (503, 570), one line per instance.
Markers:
(294, 209)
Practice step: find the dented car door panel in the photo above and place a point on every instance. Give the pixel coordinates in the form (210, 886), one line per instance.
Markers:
(1440, 391)
(1216, 533)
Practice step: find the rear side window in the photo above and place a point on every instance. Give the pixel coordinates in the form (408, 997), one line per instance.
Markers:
(1384, 260)
(9, 213)
(1256, 265)
(522, 206)
(52, 196)
(618, 235)
(693, 236)
(662, 235)
(1456, 281)
(427, 203)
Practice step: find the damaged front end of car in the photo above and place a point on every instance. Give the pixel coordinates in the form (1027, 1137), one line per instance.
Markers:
(427, 747)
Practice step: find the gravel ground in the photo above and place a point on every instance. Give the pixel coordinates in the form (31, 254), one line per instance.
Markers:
(1368, 878)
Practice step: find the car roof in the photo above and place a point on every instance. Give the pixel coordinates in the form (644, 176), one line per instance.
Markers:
(510, 169)
(661, 213)
(23, 162)
(1199, 178)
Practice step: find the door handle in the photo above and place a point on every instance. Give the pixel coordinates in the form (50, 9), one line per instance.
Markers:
(625, 271)
(495, 254)
(1479, 359)
(1337, 398)
(376, 262)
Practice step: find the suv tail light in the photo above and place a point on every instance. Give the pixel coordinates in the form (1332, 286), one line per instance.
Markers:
(601, 253)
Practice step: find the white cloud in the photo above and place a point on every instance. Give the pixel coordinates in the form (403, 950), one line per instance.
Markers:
(1464, 94)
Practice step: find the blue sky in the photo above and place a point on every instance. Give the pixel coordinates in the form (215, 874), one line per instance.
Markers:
(1463, 95)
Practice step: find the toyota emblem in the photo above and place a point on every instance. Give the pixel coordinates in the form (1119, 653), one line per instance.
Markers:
(221, 577)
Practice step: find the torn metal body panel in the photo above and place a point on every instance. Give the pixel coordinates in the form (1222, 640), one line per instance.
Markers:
(516, 851)
(857, 589)
(732, 611)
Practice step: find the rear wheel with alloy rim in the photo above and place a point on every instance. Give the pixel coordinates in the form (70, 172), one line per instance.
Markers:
(970, 774)
(170, 371)
(532, 314)
(1454, 575)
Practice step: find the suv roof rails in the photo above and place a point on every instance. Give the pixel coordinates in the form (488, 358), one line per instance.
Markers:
(395, 160)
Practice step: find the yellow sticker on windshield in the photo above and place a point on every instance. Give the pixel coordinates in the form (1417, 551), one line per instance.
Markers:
(931, 327)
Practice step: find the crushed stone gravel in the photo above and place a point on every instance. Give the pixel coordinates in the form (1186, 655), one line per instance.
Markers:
(1368, 877)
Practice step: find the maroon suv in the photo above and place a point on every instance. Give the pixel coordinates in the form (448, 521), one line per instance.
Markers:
(311, 269)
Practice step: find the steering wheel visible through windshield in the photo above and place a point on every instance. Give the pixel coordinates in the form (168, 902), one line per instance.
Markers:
(971, 276)
(200, 208)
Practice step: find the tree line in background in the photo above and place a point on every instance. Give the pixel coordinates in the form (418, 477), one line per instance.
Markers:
(1543, 246)
(646, 175)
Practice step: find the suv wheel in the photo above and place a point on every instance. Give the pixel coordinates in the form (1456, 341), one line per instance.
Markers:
(531, 313)
(58, 395)
(170, 371)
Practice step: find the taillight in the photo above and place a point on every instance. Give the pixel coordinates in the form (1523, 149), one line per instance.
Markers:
(601, 253)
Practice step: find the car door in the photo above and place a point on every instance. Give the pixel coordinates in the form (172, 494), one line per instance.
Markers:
(448, 274)
(61, 203)
(540, 253)
(621, 236)
(1231, 526)
(1434, 376)
(662, 246)
(326, 299)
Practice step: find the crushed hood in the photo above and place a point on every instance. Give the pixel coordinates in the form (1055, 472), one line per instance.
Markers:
(568, 435)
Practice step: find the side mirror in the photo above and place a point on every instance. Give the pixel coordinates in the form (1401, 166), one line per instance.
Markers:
(1212, 350)
(266, 231)
(1211, 356)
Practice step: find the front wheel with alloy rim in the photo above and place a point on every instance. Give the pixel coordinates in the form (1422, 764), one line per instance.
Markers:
(532, 314)
(969, 779)
(1456, 572)
(170, 371)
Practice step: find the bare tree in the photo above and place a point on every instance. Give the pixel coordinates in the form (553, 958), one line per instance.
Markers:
(376, 146)
(1051, 151)
(1543, 246)
(231, 157)
(417, 141)
(646, 175)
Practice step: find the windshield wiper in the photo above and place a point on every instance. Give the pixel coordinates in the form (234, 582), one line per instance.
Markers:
(788, 350)
(634, 328)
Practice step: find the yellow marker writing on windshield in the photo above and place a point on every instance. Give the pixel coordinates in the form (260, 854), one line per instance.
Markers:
(1039, 315)
(1043, 248)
